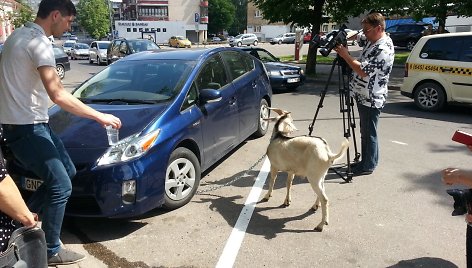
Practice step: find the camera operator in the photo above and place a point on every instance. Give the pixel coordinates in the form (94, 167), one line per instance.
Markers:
(368, 84)
(452, 176)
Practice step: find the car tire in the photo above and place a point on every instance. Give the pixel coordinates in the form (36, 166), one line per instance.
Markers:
(410, 45)
(262, 125)
(255, 43)
(99, 62)
(239, 44)
(180, 187)
(430, 97)
(61, 72)
(90, 60)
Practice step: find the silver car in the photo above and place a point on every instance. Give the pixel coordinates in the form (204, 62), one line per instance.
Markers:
(244, 39)
(98, 52)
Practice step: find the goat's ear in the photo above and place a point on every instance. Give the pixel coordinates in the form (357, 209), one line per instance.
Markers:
(286, 126)
(278, 111)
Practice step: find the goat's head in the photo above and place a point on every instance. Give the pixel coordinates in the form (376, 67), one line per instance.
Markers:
(284, 122)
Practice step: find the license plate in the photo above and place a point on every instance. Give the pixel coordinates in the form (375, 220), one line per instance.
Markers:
(293, 80)
(31, 184)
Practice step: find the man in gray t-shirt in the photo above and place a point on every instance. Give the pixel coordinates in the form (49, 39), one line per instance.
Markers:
(28, 79)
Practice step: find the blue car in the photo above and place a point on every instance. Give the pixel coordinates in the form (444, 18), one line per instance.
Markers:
(281, 75)
(181, 111)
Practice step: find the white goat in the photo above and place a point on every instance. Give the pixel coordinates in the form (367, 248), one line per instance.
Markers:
(304, 156)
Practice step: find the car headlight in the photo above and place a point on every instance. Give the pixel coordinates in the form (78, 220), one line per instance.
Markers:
(301, 71)
(129, 148)
(272, 73)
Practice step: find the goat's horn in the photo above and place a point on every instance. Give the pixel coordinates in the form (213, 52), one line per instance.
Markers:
(278, 111)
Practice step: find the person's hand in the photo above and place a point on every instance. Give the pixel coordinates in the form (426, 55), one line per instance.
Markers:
(468, 218)
(31, 220)
(110, 120)
(451, 175)
(342, 51)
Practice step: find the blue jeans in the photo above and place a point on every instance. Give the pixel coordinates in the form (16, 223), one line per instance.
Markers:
(36, 147)
(369, 118)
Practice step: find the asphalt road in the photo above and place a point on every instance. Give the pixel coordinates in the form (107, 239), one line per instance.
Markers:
(400, 216)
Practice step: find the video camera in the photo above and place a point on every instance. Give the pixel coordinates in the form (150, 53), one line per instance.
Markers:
(462, 201)
(326, 44)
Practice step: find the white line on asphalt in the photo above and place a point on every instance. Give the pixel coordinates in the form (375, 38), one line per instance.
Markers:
(399, 142)
(230, 252)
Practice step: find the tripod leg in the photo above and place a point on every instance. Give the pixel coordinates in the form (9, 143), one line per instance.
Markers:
(323, 94)
(352, 121)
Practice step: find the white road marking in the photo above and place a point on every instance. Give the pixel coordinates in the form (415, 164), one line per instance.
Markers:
(399, 142)
(230, 252)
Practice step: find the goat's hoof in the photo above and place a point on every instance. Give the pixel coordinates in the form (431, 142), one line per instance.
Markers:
(264, 199)
(318, 229)
(286, 204)
(314, 208)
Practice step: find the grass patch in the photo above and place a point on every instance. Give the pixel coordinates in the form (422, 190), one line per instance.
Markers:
(400, 57)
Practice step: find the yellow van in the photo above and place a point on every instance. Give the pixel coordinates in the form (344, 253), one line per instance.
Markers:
(439, 71)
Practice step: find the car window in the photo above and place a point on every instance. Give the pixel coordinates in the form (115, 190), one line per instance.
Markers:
(441, 49)
(93, 45)
(191, 98)
(236, 64)
(265, 56)
(466, 54)
(153, 80)
(212, 74)
(102, 45)
(124, 47)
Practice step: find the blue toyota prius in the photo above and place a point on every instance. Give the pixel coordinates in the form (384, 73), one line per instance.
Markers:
(181, 110)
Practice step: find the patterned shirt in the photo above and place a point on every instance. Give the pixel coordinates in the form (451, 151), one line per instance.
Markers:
(6, 223)
(376, 61)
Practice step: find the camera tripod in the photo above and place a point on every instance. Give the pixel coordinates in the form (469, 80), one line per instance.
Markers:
(346, 106)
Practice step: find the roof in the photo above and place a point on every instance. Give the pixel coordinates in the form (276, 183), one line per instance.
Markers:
(172, 54)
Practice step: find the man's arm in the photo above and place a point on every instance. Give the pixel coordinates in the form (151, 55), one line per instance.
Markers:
(355, 65)
(66, 101)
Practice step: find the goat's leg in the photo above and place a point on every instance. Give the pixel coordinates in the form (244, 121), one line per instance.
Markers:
(288, 197)
(273, 176)
(317, 204)
(317, 186)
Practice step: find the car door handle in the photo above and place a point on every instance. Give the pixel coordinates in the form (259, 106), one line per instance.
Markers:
(254, 84)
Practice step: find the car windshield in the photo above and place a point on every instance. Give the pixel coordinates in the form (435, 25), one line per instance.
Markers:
(103, 45)
(81, 46)
(134, 82)
(142, 45)
(68, 44)
(181, 38)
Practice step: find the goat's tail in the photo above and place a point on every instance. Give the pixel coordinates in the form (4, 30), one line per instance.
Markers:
(344, 146)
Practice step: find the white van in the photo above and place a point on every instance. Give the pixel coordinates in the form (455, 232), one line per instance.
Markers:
(439, 71)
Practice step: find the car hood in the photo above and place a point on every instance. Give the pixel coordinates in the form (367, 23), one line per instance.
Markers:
(82, 133)
(274, 65)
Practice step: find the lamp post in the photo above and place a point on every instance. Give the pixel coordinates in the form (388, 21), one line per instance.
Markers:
(111, 18)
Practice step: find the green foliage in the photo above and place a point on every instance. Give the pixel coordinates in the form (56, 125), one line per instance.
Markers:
(94, 17)
(221, 15)
(21, 16)
(240, 18)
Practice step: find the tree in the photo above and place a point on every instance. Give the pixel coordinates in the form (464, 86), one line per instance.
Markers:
(94, 17)
(221, 15)
(312, 13)
(22, 15)
(240, 18)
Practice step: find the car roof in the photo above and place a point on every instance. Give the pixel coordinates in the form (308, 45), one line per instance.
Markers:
(446, 35)
(172, 54)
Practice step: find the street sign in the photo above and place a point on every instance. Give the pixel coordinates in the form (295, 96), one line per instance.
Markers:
(197, 17)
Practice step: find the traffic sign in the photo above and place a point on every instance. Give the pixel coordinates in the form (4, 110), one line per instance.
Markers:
(197, 17)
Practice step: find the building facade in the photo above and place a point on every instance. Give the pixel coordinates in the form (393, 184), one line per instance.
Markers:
(162, 19)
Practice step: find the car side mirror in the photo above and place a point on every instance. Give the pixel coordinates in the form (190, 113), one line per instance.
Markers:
(209, 95)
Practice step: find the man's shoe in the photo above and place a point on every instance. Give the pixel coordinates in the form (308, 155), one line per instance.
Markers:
(65, 256)
(361, 172)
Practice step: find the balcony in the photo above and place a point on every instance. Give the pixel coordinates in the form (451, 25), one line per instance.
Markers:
(204, 3)
(204, 20)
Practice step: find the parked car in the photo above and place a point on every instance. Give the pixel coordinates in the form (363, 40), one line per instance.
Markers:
(286, 38)
(438, 71)
(215, 39)
(182, 111)
(67, 46)
(98, 52)
(122, 47)
(244, 39)
(73, 37)
(79, 51)
(281, 75)
(62, 61)
(307, 37)
(179, 41)
(406, 35)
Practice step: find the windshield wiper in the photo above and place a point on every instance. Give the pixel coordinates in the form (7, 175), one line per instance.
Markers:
(118, 101)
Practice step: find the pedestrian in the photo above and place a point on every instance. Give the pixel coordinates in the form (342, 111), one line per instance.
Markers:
(368, 86)
(27, 78)
(452, 176)
(12, 205)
